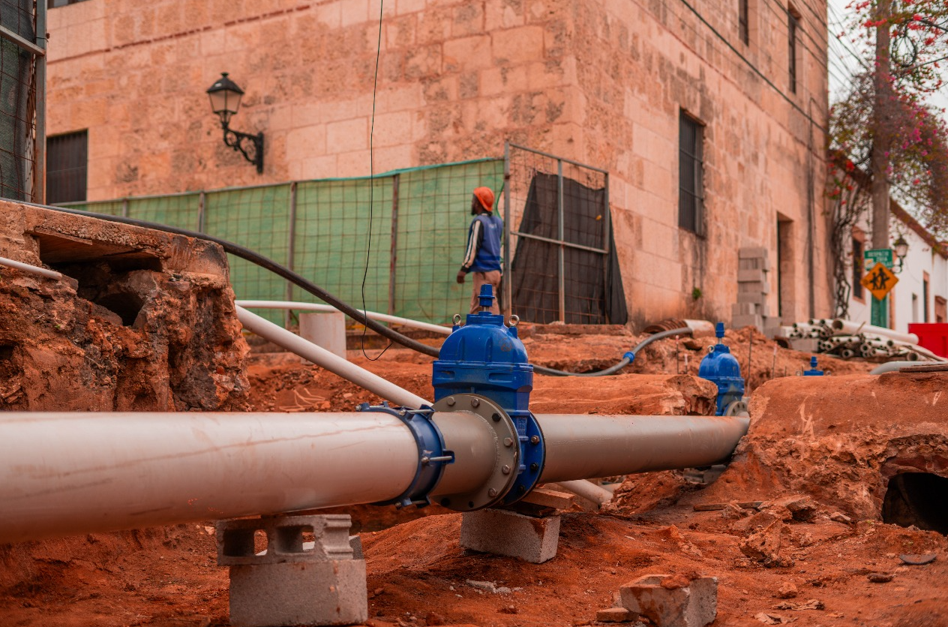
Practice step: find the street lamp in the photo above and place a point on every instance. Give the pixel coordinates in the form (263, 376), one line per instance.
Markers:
(901, 249)
(225, 98)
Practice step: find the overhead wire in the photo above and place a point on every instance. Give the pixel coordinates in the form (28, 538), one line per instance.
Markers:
(368, 249)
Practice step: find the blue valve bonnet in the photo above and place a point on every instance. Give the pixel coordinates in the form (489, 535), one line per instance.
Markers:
(813, 371)
(721, 368)
(486, 357)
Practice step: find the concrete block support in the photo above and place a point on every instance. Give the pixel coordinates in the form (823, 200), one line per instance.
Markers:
(293, 570)
(507, 533)
(693, 605)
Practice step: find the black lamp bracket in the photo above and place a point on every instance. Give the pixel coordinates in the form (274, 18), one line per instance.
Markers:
(250, 146)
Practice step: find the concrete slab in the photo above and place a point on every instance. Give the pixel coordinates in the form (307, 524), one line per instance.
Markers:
(507, 533)
(692, 605)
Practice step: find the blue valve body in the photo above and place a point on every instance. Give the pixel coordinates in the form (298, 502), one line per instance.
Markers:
(721, 368)
(813, 371)
(486, 357)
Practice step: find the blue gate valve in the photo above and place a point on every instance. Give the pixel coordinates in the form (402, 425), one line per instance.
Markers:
(721, 368)
(486, 357)
(813, 371)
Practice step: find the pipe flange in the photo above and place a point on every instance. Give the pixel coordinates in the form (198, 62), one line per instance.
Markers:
(505, 470)
(737, 408)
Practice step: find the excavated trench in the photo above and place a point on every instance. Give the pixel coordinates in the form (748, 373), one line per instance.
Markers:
(917, 499)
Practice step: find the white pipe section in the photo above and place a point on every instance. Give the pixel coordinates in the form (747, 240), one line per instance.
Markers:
(853, 328)
(285, 304)
(50, 274)
(584, 446)
(324, 358)
(587, 490)
(70, 473)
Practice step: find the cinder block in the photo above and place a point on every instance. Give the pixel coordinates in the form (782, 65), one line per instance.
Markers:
(744, 309)
(756, 263)
(755, 320)
(751, 276)
(756, 287)
(751, 252)
(750, 297)
(764, 310)
(693, 605)
(508, 533)
(331, 592)
(286, 539)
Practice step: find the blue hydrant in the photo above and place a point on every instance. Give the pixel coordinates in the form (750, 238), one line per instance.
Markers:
(813, 371)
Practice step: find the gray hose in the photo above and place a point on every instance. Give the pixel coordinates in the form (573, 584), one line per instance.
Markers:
(625, 361)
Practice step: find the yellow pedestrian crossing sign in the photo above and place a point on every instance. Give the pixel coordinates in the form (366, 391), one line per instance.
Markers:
(879, 281)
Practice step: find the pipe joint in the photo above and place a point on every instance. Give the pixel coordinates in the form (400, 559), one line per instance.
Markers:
(432, 454)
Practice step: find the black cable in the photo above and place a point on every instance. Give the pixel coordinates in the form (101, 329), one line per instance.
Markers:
(359, 316)
(267, 264)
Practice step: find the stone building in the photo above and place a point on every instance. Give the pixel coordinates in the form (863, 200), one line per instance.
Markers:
(709, 115)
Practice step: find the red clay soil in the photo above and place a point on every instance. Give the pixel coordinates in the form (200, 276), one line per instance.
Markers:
(796, 523)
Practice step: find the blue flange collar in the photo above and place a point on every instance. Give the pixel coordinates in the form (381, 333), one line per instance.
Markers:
(432, 456)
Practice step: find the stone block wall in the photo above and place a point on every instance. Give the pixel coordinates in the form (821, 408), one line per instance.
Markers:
(601, 82)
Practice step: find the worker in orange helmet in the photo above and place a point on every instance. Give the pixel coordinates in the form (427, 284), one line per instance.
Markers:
(482, 256)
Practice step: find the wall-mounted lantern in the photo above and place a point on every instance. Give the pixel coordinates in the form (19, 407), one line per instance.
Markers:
(225, 98)
(901, 249)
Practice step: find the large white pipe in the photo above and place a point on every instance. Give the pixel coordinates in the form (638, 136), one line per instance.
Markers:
(50, 274)
(584, 446)
(285, 304)
(70, 473)
(325, 359)
(845, 326)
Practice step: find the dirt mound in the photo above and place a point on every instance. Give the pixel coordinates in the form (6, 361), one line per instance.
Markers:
(841, 439)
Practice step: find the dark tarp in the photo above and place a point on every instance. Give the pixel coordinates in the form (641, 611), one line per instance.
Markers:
(594, 293)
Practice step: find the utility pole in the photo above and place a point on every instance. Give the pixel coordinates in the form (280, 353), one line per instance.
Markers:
(881, 147)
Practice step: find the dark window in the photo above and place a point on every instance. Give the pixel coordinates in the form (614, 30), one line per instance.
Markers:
(857, 268)
(925, 296)
(743, 23)
(67, 160)
(792, 24)
(61, 3)
(690, 173)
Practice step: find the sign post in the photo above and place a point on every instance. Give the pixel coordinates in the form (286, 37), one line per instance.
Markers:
(880, 281)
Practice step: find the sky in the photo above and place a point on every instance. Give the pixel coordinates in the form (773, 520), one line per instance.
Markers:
(842, 56)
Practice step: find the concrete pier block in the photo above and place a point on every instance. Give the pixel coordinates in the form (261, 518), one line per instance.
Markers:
(507, 533)
(329, 592)
(293, 570)
(692, 605)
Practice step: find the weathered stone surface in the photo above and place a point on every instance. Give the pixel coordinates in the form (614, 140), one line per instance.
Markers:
(669, 602)
(146, 323)
(507, 533)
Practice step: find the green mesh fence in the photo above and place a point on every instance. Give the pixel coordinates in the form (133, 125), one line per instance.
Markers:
(258, 218)
(336, 231)
(180, 210)
(408, 247)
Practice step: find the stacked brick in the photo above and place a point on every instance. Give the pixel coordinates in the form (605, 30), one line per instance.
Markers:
(753, 288)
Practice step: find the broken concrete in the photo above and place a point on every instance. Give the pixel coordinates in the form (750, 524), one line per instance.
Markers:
(668, 602)
(144, 321)
(508, 533)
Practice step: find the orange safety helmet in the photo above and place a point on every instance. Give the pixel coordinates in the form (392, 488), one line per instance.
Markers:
(486, 198)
